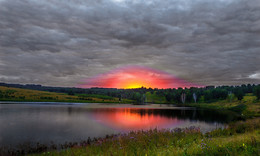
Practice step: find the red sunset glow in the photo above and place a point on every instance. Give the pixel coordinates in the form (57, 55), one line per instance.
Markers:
(125, 119)
(136, 77)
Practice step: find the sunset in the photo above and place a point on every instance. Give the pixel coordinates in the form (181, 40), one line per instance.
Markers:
(136, 77)
(129, 77)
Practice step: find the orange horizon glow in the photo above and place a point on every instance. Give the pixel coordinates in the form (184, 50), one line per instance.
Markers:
(136, 77)
(125, 119)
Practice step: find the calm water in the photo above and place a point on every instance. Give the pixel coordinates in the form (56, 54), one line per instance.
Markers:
(38, 122)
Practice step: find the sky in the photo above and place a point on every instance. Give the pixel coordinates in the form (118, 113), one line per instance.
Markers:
(136, 77)
(67, 42)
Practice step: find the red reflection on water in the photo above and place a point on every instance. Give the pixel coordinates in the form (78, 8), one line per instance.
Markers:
(131, 119)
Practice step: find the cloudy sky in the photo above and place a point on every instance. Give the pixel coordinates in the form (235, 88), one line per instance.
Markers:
(63, 42)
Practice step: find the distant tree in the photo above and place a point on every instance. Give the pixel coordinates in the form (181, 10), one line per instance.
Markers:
(210, 87)
(239, 94)
(207, 95)
(257, 92)
(137, 97)
(249, 88)
(230, 96)
(70, 92)
(120, 97)
(183, 97)
(169, 97)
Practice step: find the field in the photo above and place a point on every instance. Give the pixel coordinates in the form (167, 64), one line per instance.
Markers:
(17, 94)
(240, 138)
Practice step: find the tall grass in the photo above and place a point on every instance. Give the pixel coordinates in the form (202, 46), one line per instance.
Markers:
(240, 138)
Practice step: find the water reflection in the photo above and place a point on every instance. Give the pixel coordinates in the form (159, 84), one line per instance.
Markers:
(20, 123)
(133, 119)
(125, 119)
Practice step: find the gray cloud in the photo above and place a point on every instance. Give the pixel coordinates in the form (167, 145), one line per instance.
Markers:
(63, 42)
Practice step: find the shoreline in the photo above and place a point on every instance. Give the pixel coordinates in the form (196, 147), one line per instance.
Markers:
(239, 137)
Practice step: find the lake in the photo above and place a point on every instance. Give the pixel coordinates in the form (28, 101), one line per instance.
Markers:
(67, 122)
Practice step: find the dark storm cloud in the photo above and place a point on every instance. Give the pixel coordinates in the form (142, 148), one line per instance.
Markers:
(62, 42)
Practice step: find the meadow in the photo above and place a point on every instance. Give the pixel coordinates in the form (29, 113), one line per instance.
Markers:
(27, 95)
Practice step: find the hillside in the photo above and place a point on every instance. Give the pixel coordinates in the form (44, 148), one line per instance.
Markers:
(17, 94)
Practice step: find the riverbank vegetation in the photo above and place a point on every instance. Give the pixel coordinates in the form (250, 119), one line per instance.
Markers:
(239, 138)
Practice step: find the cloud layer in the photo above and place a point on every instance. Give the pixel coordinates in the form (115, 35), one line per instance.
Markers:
(60, 43)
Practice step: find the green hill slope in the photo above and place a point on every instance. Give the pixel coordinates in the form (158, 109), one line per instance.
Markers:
(17, 94)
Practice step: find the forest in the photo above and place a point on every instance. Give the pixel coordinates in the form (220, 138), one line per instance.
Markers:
(148, 95)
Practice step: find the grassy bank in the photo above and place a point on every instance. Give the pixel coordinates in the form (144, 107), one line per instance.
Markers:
(248, 107)
(240, 138)
(27, 95)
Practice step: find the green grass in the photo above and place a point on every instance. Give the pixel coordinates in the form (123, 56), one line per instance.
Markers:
(248, 107)
(240, 138)
(17, 94)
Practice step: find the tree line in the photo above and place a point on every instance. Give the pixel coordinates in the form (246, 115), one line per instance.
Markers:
(172, 95)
